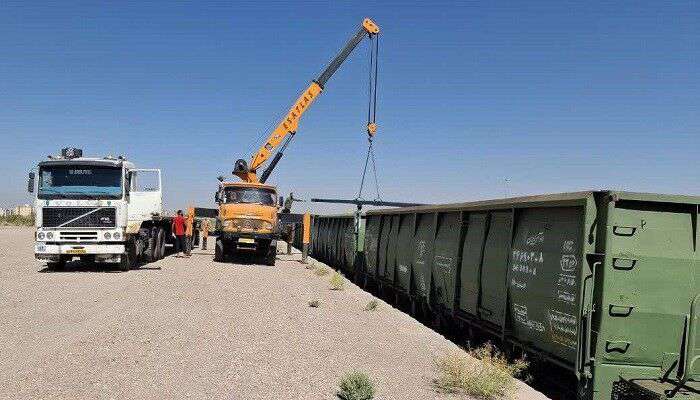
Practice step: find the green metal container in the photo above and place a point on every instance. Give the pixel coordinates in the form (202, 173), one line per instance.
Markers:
(334, 241)
(389, 273)
(384, 238)
(446, 258)
(371, 244)
(349, 247)
(404, 252)
(423, 249)
(603, 284)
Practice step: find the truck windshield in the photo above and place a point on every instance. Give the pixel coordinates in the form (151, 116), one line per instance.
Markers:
(79, 182)
(250, 195)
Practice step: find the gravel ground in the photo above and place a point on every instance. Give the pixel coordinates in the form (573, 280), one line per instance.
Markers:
(193, 328)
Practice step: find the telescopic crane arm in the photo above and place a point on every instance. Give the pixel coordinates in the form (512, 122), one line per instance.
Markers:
(286, 129)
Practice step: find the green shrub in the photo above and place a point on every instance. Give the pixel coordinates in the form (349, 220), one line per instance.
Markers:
(372, 305)
(314, 303)
(489, 377)
(355, 385)
(337, 281)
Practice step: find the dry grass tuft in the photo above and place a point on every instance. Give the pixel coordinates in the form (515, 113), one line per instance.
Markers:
(337, 281)
(372, 305)
(489, 377)
(16, 220)
(355, 385)
(321, 270)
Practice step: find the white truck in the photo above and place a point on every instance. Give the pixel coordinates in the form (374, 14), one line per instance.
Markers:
(99, 210)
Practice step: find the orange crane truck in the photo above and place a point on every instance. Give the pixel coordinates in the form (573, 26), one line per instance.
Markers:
(247, 220)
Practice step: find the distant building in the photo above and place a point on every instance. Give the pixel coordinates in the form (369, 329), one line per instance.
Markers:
(25, 210)
(4, 212)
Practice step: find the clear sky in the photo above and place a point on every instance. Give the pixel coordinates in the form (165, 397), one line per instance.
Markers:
(476, 99)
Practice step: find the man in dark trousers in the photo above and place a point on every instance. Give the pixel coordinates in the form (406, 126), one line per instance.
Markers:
(178, 230)
(205, 233)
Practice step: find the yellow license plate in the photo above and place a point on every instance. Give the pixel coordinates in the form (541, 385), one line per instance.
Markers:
(76, 251)
(246, 240)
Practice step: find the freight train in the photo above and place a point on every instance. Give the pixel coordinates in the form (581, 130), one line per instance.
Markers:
(601, 284)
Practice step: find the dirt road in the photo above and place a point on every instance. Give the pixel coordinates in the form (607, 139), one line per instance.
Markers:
(193, 328)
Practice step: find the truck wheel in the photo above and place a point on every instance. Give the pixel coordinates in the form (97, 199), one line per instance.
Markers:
(150, 253)
(59, 265)
(134, 259)
(125, 262)
(271, 255)
(162, 244)
(128, 259)
(158, 245)
(219, 251)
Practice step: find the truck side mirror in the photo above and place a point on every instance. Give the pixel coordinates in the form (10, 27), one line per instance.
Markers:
(30, 182)
(217, 197)
(281, 201)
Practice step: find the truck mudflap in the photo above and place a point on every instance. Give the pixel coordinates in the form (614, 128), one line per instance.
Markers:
(44, 251)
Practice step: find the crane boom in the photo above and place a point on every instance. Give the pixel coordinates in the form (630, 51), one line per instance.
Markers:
(286, 129)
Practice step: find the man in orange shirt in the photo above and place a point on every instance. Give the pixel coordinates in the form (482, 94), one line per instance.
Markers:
(189, 227)
(178, 230)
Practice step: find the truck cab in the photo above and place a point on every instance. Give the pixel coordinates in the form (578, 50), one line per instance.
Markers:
(247, 221)
(97, 209)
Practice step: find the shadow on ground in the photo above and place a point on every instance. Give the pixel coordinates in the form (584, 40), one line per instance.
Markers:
(81, 266)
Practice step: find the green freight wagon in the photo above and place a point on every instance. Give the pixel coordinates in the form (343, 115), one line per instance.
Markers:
(335, 240)
(602, 284)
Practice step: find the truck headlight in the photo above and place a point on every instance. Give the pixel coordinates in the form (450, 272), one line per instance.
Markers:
(49, 235)
(227, 223)
(116, 235)
(40, 235)
(108, 235)
(267, 225)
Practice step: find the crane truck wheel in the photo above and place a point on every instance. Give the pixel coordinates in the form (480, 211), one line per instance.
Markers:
(219, 250)
(271, 255)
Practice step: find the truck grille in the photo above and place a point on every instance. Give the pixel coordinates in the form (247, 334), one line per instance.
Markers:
(83, 217)
(78, 236)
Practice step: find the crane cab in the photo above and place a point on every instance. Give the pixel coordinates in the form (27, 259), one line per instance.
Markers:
(247, 221)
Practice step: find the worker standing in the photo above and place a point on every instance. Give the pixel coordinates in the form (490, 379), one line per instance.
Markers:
(205, 233)
(189, 229)
(178, 230)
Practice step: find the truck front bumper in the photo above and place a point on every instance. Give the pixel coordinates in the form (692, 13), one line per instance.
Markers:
(101, 252)
(234, 236)
(249, 241)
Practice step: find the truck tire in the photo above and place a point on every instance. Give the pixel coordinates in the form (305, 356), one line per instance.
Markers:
(128, 260)
(59, 265)
(271, 255)
(125, 262)
(219, 251)
(152, 250)
(158, 249)
(162, 243)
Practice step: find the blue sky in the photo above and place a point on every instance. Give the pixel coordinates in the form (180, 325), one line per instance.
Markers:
(550, 96)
